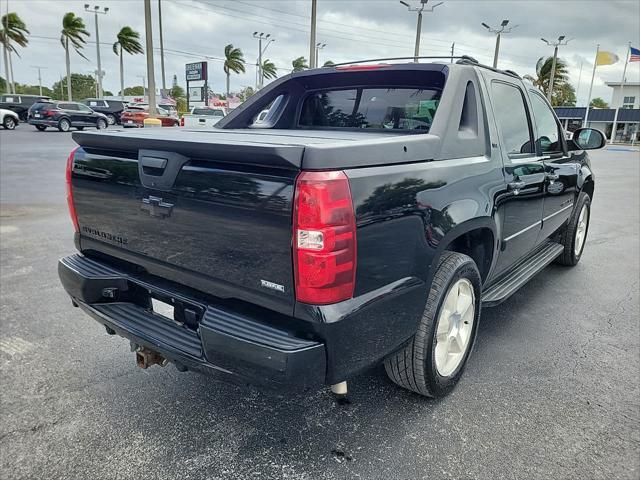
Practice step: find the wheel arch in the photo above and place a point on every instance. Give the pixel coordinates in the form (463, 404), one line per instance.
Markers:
(476, 238)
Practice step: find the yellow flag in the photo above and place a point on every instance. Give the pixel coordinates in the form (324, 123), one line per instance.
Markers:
(606, 58)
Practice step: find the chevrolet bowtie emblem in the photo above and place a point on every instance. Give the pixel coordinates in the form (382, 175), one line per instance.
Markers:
(156, 206)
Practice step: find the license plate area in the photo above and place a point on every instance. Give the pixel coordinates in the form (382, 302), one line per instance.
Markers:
(163, 309)
(170, 307)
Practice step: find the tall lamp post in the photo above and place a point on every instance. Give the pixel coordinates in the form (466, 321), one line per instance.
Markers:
(261, 36)
(96, 10)
(561, 41)
(151, 79)
(319, 46)
(498, 31)
(420, 9)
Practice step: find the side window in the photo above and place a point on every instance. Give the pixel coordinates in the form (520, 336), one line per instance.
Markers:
(83, 108)
(68, 106)
(513, 121)
(548, 129)
(93, 103)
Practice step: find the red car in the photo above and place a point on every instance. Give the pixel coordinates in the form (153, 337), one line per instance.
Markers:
(134, 116)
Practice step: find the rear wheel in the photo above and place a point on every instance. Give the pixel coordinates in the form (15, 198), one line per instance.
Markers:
(573, 235)
(42, 128)
(111, 119)
(9, 123)
(101, 124)
(432, 362)
(64, 125)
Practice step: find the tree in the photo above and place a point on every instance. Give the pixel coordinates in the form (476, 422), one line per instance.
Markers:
(328, 63)
(234, 62)
(299, 64)
(32, 90)
(177, 92)
(269, 70)
(543, 74)
(82, 86)
(245, 93)
(564, 96)
(3, 85)
(598, 103)
(13, 30)
(73, 31)
(137, 90)
(128, 41)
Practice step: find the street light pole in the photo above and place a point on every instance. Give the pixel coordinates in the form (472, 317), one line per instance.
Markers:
(319, 46)
(39, 76)
(555, 45)
(420, 9)
(164, 84)
(261, 36)
(498, 31)
(312, 39)
(150, 74)
(96, 11)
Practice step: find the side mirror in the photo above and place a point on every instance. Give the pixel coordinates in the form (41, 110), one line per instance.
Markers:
(588, 139)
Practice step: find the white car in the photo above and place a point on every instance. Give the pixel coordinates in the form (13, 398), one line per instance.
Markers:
(203, 117)
(8, 119)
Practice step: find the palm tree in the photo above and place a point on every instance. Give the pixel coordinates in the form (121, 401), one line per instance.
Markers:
(234, 62)
(73, 30)
(269, 70)
(127, 42)
(299, 64)
(13, 30)
(543, 74)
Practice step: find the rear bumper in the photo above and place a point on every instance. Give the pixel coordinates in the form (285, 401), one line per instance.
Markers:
(223, 342)
(38, 121)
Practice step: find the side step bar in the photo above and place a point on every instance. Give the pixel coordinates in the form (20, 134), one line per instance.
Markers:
(521, 274)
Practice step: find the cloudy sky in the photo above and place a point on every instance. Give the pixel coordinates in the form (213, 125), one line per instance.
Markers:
(199, 29)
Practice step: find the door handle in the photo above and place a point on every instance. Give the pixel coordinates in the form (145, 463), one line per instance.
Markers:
(515, 187)
(552, 177)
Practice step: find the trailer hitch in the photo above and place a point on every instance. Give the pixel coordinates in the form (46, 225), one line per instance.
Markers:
(145, 358)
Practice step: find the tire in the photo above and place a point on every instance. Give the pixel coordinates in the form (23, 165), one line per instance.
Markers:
(9, 123)
(101, 124)
(418, 365)
(64, 125)
(111, 119)
(41, 128)
(573, 235)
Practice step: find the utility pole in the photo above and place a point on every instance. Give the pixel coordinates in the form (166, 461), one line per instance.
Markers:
(164, 84)
(319, 46)
(150, 74)
(498, 31)
(420, 9)
(453, 49)
(39, 76)
(144, 81)
(96, 11)
(312, 40)
(555, 45)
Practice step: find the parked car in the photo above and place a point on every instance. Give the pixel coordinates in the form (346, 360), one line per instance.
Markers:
(8, 119)
(19, 103)
(64, 115)
(366, 220)
(205, 117)
(112, 109)
(135, 114)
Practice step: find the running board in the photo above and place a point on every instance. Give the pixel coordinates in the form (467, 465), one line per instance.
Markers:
(521, 274)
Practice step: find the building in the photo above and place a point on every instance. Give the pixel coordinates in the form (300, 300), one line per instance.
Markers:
(625, 100)
(627, 97)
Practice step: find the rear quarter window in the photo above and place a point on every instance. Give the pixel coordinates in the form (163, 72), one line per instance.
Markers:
(380, 108)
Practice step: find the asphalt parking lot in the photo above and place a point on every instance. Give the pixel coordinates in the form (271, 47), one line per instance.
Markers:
(552, 389)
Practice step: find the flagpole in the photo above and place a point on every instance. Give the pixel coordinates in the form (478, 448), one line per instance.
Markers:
(579, 80)
(595, 64)
(614, 129)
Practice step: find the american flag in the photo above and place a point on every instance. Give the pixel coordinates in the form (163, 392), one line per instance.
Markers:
(634, 55)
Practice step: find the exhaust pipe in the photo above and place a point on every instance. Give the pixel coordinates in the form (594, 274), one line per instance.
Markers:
(146, 358)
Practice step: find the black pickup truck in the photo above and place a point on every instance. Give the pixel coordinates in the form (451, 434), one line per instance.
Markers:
(366, 219)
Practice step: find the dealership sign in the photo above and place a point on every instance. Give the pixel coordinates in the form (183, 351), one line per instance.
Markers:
(196, 71)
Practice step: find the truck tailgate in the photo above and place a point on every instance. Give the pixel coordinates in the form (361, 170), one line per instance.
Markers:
(211, 211)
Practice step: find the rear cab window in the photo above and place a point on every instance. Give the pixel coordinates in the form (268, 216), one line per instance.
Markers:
(208, 111)
(379, 108)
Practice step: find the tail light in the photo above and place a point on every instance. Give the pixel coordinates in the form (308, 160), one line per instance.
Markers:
(182, 121)
(72, 207)
(324, 238)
